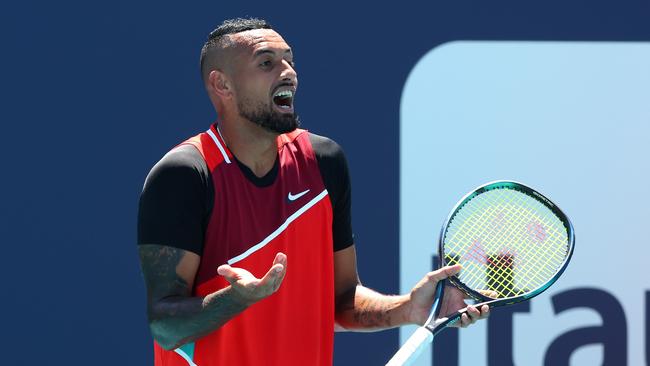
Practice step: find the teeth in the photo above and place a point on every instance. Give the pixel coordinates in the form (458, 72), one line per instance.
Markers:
(284, 94)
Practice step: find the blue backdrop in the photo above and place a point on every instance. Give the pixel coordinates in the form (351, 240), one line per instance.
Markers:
(94, 93)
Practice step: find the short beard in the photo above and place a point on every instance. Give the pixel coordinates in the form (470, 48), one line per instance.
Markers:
(269, 119)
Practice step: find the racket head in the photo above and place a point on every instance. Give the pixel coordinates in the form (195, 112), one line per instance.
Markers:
(509, 239)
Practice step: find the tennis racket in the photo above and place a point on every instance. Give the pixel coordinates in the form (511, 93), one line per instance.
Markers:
(512, 243)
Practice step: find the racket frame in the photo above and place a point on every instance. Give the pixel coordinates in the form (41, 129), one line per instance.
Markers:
(425, 334)
(435, 326)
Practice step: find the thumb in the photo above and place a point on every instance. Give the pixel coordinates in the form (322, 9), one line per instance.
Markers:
(228, 272)
(444, 272)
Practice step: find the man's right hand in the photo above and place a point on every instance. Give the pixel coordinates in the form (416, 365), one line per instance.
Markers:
(176, 317)
(250, 289)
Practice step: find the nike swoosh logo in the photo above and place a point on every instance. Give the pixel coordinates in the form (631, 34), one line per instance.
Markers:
(293, 197)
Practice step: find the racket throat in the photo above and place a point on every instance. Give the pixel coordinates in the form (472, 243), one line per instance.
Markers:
(437, 304)
(436, 325)
(441, 323)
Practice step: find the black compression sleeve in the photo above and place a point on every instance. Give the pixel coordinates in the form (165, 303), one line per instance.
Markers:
(174, 202)
(334, 171)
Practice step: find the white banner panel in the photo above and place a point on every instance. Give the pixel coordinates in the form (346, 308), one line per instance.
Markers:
(570, 119)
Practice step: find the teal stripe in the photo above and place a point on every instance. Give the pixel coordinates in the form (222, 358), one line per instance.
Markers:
(188, 348)
(187, 352)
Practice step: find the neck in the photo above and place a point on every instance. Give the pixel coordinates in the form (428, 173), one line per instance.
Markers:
(253, 145)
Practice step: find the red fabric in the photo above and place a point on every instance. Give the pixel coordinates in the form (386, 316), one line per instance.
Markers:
(204, 143)
(167, 358)
(295, 325)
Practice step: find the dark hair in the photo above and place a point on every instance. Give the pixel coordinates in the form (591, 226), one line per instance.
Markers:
(218, 37)
(237, 25)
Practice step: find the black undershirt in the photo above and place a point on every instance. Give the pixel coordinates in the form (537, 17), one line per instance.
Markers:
(178, 196)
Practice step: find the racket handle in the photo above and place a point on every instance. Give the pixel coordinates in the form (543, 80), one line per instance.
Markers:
(410, 351)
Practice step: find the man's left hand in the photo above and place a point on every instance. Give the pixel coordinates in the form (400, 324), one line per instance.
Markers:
(422, 297)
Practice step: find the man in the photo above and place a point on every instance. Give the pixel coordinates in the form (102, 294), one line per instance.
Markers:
(244, 231)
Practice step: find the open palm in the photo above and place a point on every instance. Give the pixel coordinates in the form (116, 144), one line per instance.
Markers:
(250, 288)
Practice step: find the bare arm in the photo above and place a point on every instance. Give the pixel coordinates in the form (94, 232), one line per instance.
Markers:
(175, 316)
(361, 309)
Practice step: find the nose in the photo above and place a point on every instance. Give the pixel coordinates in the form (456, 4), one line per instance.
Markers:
(288, 73)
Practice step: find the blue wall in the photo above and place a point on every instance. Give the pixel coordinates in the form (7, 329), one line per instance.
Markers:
(95, 93)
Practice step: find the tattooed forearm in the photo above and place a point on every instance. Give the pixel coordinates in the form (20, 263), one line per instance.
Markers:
(175, 316)
(159, 269)
(373, 312)
(364, 309)
(182, 320)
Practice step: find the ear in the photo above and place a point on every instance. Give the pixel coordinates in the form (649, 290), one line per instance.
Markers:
(219, 84)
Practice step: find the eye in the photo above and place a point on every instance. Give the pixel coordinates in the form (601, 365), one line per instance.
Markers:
(266, 63)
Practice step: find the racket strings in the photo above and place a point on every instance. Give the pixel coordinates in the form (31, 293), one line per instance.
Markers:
(500, 273)
(507, 242)
(502, 284)
(546, 259)
(507, 277)
(495, 280)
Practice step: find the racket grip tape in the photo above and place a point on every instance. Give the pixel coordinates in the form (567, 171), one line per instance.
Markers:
(410, 351)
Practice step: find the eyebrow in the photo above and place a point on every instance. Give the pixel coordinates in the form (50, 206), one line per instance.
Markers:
(267, 50)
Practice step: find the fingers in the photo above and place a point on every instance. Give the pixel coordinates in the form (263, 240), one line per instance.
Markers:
(280, 258)
(485, 311)
(273, 278)
(228, 272)
(472, 315)
(489, 293)
(443, 273)
(278, 268)
(250, 288)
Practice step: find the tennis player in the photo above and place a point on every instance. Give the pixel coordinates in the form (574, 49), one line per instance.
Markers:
(244, 230)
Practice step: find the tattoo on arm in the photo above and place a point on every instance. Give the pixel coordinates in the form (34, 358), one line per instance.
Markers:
(159, 268)
(362, 308)
(373, 312)
(175, 316)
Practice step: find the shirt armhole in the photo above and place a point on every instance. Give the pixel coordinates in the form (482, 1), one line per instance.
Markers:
(333, 167)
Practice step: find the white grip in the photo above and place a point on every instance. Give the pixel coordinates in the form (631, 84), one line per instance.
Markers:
(412, 348)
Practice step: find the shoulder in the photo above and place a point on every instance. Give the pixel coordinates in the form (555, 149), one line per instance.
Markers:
(180, 164)
(175, 201)
(332, 164)
(326, 148)
(179, 158)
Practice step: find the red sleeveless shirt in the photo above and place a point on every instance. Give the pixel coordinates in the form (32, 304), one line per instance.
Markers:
(247, 227)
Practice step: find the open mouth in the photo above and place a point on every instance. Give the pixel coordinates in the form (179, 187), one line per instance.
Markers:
(283, 99)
